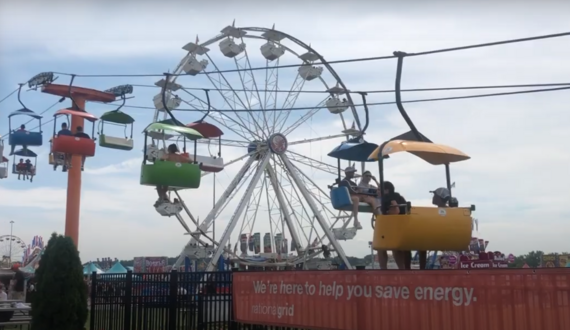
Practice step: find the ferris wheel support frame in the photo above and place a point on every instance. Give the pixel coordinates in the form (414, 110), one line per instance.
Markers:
(284, 209)
(237, 214)
(307, 195)
(208, 221)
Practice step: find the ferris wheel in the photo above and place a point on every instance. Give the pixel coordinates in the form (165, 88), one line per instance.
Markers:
(12, 249)
(282, 217)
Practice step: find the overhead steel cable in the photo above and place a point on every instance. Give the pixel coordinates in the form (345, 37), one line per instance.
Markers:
(369, 104)
(8, 96)
(362, 59)
(432, 89)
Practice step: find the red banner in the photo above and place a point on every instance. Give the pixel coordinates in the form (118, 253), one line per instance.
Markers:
(501, 299)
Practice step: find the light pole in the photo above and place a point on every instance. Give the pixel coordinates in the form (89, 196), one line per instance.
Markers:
(10, 256)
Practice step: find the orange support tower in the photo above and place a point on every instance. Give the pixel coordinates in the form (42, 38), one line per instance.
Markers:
(80, 96)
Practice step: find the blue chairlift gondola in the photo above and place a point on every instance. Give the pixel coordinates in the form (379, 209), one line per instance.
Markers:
(21, 136)
(354, 150)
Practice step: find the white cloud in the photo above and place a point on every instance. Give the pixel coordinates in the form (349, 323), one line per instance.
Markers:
(517, 176)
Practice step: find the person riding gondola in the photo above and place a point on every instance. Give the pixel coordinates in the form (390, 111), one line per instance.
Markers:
(355, 196)
(172, 155)
(13, 147)
(393, 203)
(80, 134)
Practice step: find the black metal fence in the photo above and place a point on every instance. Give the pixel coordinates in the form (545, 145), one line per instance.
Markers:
(163, 301)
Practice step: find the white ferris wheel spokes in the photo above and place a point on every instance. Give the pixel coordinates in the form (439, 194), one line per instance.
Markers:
(283, 214)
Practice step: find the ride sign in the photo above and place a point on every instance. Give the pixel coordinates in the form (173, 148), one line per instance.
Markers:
(380, 300)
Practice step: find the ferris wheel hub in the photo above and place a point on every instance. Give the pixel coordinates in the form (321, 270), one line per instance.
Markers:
(277, 143)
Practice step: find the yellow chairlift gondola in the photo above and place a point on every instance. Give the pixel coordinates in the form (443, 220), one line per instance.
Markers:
(420, 228)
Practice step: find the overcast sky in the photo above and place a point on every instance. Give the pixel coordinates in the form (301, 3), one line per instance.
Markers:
(517, 177)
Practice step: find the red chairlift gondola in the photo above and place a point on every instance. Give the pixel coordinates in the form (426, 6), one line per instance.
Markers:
(209, 163)
(74, 145)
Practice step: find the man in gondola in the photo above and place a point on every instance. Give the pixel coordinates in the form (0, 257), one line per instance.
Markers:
(64, 131)
(21, 130)
(80, 134)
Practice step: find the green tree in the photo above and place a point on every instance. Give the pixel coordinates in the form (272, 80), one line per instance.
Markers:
(532, 259)
(61, 298)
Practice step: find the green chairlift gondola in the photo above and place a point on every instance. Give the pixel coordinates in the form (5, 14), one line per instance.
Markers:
(157, 172)
(120, 118)
(116, 117)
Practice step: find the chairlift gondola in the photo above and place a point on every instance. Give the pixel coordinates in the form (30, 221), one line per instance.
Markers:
(73, 145)
(24, 153)
(420, 228)
(210, 163)
(3, 167)
(155, 172)
(23, 137)
(117, 117)
(354, 150)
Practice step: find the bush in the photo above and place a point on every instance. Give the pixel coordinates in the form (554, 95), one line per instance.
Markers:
(60, 301)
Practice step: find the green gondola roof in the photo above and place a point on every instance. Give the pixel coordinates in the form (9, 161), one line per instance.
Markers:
(117, 117)
(189, 133)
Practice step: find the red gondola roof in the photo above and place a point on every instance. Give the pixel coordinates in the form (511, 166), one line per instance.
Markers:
(207, 130)
(70, 112)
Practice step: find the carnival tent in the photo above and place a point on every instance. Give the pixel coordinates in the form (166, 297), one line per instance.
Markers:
(117, 268)
(90, 268)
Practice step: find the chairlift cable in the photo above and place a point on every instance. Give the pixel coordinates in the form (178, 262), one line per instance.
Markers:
(363, 59)
(369, 104)
(8, 96)
(358, 105)
(382, 91)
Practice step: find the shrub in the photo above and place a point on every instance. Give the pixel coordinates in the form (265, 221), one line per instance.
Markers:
(60, 301)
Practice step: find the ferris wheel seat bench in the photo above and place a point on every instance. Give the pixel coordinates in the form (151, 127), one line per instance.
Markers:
(25, 138)
(171, 174)
(340, 199)
(15, 170)
(210, 164)
(115, 142)
(424, 229)
(73, 145)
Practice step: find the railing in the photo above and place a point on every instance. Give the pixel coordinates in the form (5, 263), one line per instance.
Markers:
(163, 301)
